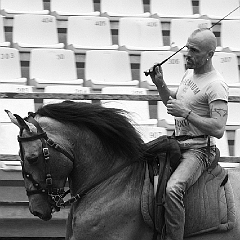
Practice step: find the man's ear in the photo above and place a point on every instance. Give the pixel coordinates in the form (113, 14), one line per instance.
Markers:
(210, 54)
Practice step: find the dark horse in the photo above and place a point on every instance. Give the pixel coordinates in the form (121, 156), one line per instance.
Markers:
(102, 156)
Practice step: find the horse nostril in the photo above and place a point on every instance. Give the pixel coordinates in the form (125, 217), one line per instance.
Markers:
(32, 160)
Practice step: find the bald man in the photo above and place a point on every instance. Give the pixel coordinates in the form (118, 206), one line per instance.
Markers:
(200, 109)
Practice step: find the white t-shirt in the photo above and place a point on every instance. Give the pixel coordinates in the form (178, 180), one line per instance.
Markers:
(197, 92)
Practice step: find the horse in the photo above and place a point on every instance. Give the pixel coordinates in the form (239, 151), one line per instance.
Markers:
(101, 154)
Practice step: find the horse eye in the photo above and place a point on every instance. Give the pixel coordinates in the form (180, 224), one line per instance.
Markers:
(32, 160)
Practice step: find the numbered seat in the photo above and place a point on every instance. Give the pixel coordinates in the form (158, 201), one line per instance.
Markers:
(89, 32)
(9, 8)
(18, 106)
(71, 89)
(3, 42)
(173, 69)
(237, 143)
(35, 31)
(172, 8)
(104, 68)
(62, 9)
(53, 67)
(216, 9)
(230, 35)
(140, 34)
(150, 133)
(10, 68)
(181, 29)
(139, 110)
(227, 64)
(123, 8)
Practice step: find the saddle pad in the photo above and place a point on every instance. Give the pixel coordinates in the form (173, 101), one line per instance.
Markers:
(208, 205)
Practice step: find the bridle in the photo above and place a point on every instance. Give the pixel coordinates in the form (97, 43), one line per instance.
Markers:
(56, 194)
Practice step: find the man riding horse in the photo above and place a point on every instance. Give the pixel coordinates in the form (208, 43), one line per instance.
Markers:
(200, 109)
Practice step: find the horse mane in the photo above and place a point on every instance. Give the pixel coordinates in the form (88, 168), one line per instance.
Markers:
(111, 125)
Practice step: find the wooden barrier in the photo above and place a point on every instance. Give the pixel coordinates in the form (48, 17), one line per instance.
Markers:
(15, 218)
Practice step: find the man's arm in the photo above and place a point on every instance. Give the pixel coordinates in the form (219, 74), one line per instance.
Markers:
(214, 125)
(163, 90)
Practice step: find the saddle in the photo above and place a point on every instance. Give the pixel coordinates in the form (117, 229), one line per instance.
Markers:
(202, 215)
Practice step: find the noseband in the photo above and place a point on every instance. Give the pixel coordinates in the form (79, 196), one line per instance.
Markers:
(56, 194)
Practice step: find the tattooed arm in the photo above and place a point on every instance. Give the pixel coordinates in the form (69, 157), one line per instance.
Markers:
(215, 125)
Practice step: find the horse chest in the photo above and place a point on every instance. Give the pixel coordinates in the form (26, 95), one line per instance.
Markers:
(118, 219)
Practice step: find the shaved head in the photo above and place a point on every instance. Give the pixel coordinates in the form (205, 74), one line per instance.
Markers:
(205, 38)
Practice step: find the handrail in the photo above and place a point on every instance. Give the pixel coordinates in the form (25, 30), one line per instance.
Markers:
(90, 96)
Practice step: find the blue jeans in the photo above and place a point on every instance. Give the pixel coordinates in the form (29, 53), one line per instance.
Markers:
(192, 165)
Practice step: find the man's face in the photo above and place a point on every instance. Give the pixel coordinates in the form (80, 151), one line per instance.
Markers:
(196, 54)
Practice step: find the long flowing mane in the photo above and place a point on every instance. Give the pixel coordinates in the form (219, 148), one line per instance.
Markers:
(111, 125)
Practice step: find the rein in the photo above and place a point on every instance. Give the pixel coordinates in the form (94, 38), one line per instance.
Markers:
(56, 194)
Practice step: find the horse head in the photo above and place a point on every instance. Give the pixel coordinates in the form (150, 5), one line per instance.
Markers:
(44, 175)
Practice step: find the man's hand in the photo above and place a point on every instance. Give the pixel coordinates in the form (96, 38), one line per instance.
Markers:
(156, 75)
(176, 108)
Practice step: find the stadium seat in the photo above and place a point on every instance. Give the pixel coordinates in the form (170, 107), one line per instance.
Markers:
(8, 139)
(150, 133)
(52, 67)
(233, 114)
(140, 34)
(105, 68)
(139, 110)
(62, 9)
(233, 109)
(230, 35)
(123, 8)
(18, 106)
(89, 32)
(173, 69)
(10, 68)
(35, 31)
(3, 42)
(181, 29)
(227, 64)
(9, 8)
(164, 119)
(216, 9)
(222, 145)
(172, 8)
(237, 143)
(71, 89)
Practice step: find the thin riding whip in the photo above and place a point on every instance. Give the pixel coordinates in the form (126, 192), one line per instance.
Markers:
(159, 64)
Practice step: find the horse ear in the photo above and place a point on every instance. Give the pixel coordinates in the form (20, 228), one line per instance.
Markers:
(21, 123)
(13, 118)
(25, 124)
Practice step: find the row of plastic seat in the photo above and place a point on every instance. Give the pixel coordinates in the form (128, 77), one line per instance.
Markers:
(120, 8)
(103, 68)
(140, 110)
(94, 32)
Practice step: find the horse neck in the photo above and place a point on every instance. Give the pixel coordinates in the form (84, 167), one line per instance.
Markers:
(94, 163)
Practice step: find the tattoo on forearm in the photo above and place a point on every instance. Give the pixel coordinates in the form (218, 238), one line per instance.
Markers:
(220, 111)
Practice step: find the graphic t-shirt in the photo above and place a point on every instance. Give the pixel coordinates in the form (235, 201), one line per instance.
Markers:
(197, 92)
